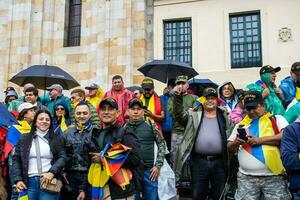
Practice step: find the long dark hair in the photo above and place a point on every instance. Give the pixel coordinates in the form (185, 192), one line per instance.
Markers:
(38, 112)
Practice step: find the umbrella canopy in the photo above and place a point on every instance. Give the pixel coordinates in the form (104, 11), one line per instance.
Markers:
(134, 88)
(43, 76)
(163, 70)
(198, 85)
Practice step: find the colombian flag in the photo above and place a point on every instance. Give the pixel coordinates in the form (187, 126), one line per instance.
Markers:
(112, 158)
(267, 154)
(13, 136)
(62, 127)
(23, 195)
(261, 83)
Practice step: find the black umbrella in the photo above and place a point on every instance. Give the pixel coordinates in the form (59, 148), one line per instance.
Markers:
(43, 76)
(134, 88)
(198, 85)
(163, 70)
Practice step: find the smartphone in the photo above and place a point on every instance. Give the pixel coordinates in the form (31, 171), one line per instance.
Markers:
(242, 133)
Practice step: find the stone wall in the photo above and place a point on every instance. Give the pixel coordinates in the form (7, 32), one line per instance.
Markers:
(116, 38)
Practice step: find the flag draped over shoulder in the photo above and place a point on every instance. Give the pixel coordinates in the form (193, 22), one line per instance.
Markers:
(112, 158)
(13, 136)
(154, 106)
(267, 154)
(62, 127)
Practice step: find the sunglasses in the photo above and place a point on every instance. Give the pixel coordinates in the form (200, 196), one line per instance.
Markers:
(57, 109)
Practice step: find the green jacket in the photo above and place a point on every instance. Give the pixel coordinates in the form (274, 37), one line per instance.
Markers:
(188, 101)
(192, 119)
(157, 137)
(13, 105)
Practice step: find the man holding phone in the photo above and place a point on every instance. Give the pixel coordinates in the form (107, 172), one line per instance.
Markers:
(256, 140)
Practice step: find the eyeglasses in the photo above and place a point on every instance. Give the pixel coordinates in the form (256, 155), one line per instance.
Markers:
(57, 109)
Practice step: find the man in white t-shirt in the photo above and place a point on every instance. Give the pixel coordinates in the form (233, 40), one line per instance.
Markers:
(256, 140)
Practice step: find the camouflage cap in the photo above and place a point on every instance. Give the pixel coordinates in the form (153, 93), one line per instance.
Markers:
(181, 78)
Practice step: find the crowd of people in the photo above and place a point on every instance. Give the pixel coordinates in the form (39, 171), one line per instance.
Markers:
(229, 143)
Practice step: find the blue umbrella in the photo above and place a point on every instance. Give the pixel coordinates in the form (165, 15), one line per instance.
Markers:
(164, 70)
(43, 76)
(6, 118)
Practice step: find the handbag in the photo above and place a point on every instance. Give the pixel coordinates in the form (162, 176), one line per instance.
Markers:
(54, 185)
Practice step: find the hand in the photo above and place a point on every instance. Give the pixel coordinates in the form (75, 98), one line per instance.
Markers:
(177, 89)
(20, 186)
(81, 196)
(238, 141)
(148, 113)
(254, 141)
(95, 157)
(266, 92)
(154, 173)
(46, 178)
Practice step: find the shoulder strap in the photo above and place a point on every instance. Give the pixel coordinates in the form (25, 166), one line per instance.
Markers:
(274, 124)
(38, 154)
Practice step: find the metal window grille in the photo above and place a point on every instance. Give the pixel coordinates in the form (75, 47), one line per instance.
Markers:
(74, 26)
(245, 38)
(178, 40)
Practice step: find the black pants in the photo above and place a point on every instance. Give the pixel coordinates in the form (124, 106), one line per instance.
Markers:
(207, 171)
(71, 191)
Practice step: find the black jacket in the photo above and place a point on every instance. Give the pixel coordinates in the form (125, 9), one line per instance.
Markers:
(21, 156)
(133, 162)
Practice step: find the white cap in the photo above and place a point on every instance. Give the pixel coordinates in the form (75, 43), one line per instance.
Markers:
(25, 106)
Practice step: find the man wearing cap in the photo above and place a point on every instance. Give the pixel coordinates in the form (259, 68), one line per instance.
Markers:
(95, 94)
(256, 139)
(112, 133)
(13, 106)
(270, 92)
(55, 92)
(148, 134)
(78, 95)
(187, 103)
(121, 95)
(289, 84)
(205, 142)
(154, 112)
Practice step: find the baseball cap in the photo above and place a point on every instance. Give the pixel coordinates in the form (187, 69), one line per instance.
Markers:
(57, 87)
(210, 92)
(135, 101)
(181, 78)
(92, 86)
(268, 69)
(9, 89)
(296, 68)
(25, 106)
(252, 98)
(147, 83)
(109, 101)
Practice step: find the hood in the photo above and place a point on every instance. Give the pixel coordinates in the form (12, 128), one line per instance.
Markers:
(225, 83)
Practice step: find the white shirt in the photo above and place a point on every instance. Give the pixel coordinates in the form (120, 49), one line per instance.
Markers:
(249, 165)
(46, 155)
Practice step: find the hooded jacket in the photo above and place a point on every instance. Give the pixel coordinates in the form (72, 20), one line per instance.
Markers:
(231, 102)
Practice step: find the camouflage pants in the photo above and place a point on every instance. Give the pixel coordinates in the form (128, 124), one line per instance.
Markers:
(262, 187)
(175, 142)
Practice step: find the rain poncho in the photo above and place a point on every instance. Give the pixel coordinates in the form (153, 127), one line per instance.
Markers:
(288, 88)
(293, 110)
(272, 101)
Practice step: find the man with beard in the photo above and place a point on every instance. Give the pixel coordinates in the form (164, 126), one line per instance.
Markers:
(205, 141)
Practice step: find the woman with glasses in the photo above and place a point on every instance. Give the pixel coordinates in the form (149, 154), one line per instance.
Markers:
(39, 157)
(61, 119)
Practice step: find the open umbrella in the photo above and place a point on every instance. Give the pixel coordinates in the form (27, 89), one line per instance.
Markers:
(134, 88)
(163, 70)
(198, 85)
(43, 76)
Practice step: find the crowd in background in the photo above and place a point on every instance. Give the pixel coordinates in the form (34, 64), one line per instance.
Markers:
(121, 144)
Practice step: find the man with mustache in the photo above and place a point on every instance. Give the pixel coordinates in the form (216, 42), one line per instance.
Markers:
(205, 142)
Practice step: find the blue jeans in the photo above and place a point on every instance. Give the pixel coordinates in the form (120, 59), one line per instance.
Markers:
(149, 188)
(35, 193)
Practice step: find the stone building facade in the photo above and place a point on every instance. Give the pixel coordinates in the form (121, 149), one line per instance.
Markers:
(116, 38)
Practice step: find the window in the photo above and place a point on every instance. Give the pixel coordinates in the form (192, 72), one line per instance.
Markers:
(178, 40)
(245, 40)
(73, 26)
